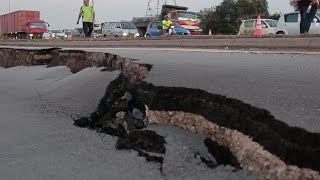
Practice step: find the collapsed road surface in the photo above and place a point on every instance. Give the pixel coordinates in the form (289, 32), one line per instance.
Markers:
(224, 120)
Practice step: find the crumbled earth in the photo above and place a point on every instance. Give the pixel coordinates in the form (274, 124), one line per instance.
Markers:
(221, 154)
(122, 112)
(293, 145)
(297, 146)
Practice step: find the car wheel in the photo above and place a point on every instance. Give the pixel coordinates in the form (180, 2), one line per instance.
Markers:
(280, 33)
(105, 35)
(148, 35)
(116, 36)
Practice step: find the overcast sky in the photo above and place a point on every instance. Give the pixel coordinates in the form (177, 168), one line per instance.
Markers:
(63, 13)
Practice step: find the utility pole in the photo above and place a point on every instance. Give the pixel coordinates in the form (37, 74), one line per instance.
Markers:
(154, 6)
(93, 3)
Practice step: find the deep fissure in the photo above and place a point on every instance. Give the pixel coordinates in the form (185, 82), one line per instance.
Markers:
(294, 146)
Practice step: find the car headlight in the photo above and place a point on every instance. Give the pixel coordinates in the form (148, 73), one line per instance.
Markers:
(65, 36)
(172, 27)
(125, 34)
(30, 35)
(136, 34)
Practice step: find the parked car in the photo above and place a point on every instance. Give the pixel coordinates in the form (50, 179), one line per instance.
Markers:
(56, 33)
(120, 29)
(68, 32)
(290, 24)
(47, 35)
(78, 32)
(154, 29)
(248, 27)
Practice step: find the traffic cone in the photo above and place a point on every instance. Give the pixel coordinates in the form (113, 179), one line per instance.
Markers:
(258, 27)
(210, 32)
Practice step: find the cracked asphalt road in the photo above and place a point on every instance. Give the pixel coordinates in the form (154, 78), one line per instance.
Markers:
(285, 84)
(38, 140)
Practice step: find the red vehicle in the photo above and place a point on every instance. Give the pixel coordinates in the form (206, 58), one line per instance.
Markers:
(179, 14)
(22, 24)
(182, 16)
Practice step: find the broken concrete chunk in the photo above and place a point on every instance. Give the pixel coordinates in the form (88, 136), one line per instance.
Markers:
(137, 114)
(128, 96)
(120, 117)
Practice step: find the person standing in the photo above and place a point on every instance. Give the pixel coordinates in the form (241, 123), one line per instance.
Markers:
(88, 17)
(166, 23)
(308, 9)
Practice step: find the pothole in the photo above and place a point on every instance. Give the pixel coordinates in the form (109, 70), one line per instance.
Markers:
(237, 133)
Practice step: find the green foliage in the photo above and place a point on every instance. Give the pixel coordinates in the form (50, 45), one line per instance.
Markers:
(295, 6)
(274, 16)
(226, 17)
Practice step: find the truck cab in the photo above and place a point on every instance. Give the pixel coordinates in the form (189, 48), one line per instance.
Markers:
(35, 29)
(187, 19)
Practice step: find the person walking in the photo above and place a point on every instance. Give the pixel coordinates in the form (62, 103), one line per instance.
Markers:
(88, 17)
(166, 23)
(308, 9)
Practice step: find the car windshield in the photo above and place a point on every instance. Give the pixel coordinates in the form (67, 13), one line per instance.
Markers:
(176, 25)
(80, 30)
(37, 25)
(128, 25)
(272, 23)
(56, 31)
(187, 16)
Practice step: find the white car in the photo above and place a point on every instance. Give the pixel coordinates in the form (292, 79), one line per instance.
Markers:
(53, 34)
(248, 27)
(120, 29)
(58, 34)
(47, 35)
(290, 24)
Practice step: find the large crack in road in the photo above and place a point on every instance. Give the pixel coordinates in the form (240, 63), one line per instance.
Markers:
(237, 133)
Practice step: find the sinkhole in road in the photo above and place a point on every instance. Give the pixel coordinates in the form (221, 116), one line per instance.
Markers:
(237, 133)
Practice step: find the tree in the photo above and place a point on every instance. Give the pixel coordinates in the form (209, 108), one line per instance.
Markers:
(293, 5)
(209, 19)
(226, 17)
(275, 16)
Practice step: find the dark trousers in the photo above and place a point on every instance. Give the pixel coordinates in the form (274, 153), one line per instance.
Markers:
(306, 18)
(87, 28)
(165, 31)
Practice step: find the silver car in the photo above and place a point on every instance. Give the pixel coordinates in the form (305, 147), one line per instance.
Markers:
(290, 24)
(120, 29)
(56, 33)
(248, 27)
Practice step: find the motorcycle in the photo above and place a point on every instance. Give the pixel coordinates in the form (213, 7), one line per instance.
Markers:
(171, 30)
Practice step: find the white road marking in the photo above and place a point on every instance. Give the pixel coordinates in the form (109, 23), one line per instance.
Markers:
(181, 50)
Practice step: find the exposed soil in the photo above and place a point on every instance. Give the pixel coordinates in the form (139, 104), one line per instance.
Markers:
(293, 145)
(114, 116)
(144, 141)
(222, 154)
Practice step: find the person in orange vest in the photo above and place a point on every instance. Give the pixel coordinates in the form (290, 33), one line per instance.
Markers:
(308, 9)
(88, 17)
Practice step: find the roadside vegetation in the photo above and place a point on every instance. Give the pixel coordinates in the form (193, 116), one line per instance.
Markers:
(226, 17)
